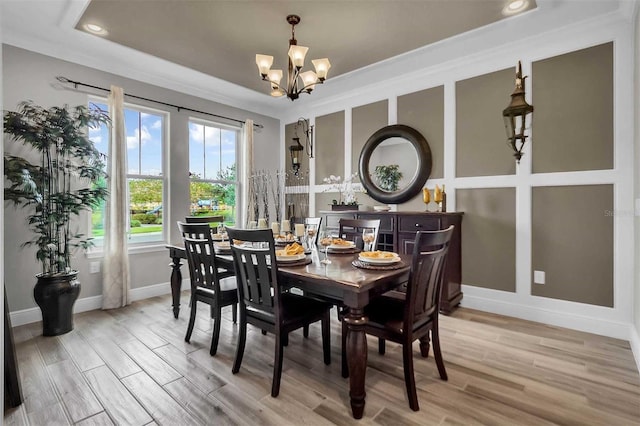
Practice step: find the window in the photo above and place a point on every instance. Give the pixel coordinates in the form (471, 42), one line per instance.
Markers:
(212, 168)
(145, 135)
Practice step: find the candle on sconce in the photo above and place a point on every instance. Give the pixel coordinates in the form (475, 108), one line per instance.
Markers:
(286, 226)
(262, 223)
(299, 227)
(275, 227)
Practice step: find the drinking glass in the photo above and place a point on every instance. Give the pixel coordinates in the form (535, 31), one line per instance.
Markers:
(221, 231)
(368, 236)
(311, 231)
(325, 241)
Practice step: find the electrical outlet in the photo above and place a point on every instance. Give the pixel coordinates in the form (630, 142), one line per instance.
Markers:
(538, 277)
(94, 267)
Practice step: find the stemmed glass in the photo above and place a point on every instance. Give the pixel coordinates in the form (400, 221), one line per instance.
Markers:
(325, 241)
(221, 231)
(311, 232)
(368, 236)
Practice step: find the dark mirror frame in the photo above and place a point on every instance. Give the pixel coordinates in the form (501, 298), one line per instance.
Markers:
(424, 163)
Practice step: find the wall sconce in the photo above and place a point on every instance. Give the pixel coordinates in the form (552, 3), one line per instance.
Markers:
(515, 115)
(306, 130)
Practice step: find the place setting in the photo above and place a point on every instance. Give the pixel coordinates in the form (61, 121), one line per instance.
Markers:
(292, 255)
(379, 260)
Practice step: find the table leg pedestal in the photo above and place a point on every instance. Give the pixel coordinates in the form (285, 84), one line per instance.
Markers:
(176, 284)
(356, 359)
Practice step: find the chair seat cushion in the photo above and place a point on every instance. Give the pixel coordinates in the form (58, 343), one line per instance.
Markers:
(385, 312)
(295, 307)
(228, 289)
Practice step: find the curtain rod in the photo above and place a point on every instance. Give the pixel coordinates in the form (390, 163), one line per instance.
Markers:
(178, 107)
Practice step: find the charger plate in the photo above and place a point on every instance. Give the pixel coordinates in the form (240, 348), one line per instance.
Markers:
(390, 267)
(301, 262)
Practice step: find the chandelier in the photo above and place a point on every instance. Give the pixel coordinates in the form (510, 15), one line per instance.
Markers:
(295, 86)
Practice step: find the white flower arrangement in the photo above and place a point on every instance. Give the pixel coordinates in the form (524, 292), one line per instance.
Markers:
(344, 188)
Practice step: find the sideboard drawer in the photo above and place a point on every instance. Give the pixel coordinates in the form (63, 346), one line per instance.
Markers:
(410, 223)
(386, 221)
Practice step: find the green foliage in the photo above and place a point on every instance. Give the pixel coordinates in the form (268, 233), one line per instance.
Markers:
(135, 223)
(145, 191)
(388, 177)
(63, 180)
(145, 218)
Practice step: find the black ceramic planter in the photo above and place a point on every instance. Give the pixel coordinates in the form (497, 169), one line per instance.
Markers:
(56, 295)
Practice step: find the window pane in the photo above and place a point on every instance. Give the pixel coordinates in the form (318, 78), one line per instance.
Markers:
(132, 133)
(151, 144)
(146, 209)
(228, 148)
(212, 152)
(213, 199)
(196, 150)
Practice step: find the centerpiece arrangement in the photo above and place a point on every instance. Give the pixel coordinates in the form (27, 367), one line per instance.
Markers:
(347, 199)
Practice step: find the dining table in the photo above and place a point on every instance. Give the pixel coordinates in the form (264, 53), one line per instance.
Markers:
(340, 282)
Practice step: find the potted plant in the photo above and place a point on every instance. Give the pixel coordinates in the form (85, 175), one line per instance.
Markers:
(347, 197)
(388, 177)
(61, 175)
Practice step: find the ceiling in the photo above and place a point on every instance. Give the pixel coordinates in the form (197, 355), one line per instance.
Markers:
(221, 38)
(206, 48)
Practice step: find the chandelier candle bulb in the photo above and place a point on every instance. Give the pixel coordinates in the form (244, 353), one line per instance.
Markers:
(299, 227)
(286, 226)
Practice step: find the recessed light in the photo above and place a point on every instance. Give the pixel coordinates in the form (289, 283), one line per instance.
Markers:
(515, 6)
(95, 29)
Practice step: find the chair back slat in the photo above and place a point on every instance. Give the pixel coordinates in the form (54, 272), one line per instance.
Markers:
(351, 230)
(256, 269)
(427, 272)
(198, 245)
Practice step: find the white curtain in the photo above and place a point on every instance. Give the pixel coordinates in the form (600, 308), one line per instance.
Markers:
(247, 196)
(115, 275)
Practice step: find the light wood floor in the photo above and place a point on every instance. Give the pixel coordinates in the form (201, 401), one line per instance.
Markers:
(132, 366)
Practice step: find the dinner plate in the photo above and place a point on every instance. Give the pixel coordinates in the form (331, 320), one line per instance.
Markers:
(380, 260)
(289, 258)
(342, 247)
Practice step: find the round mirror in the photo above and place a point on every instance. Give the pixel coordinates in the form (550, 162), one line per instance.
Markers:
(395, 163)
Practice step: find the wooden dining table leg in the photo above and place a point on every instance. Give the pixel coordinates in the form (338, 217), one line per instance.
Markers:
(356, 359)
(176, 284)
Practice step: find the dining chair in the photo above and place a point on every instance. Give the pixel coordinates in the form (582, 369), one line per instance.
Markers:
(210, 284)
(204, 219)
(351, 229)
(264, 304)
(414, 317)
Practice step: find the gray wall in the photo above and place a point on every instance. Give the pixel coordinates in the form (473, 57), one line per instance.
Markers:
(329, 147)
(572, 132)
(572, 241)
(27, 75)
(424, 111)
(488, 237)
(636, 310)
(481, 147)
(365, 121)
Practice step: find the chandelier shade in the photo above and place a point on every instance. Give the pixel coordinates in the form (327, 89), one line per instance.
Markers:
(297, 82)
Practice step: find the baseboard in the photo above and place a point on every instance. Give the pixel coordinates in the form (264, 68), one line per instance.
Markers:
(30, 315)
(589, 324)
(634, 341)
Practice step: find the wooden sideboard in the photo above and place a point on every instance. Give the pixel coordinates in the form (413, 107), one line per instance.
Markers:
(397, 233)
